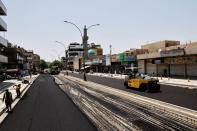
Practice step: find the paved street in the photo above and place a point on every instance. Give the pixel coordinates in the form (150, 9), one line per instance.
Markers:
(174, 95)
(45, 107)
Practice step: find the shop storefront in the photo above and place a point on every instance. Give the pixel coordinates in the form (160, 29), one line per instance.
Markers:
(191, 65)
(182, 66)
(141, 66)
(174, 63)
(151, 67)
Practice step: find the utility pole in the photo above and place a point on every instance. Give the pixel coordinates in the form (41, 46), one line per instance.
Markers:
(110, 47)
(110, 53)
(85, 42)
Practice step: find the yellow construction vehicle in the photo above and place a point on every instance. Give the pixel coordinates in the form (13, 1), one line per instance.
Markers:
(142, 82)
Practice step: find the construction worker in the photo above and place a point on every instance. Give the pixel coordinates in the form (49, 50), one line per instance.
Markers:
(7, 97)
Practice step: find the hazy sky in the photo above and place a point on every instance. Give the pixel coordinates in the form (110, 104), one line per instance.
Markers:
(36, 24)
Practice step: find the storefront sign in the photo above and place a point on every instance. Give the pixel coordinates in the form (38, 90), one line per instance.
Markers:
(96, 61)
(177, 60)
(129, 58)
(181, 60)
(177, 52)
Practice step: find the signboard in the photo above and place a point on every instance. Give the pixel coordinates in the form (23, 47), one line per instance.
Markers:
(108, 61)
(95, 61)
(168, 53)
(181, 60)
(88, 62)
(103, 60)
(121, 57)
(114, 58)
(129, 58)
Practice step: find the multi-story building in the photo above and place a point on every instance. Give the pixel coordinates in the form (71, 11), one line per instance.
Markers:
(93, 59)
(36, 62)
(74, 50)
(95, 56)
(30, 62)
(16, 57)
(3, 41)
(169, 58)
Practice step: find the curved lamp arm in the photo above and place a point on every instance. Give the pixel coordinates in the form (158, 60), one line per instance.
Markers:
(61, 44)
(92, 26)
(76, 27)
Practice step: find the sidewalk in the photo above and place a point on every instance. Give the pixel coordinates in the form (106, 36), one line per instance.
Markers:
(8, 84)
(185, 83)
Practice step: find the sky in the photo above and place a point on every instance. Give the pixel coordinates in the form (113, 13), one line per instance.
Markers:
(125, 24)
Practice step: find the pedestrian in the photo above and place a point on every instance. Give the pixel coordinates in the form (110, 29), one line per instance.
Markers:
(18, 92)
(7, 97)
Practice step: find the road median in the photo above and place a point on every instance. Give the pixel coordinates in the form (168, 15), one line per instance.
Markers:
(100, 93)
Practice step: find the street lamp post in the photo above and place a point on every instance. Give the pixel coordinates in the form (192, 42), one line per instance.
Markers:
(84, 38)
(85, 42)
(65, 52)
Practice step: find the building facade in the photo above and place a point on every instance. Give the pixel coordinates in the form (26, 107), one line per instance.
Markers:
(74, 50)
(3, 41)
(119, 63)
(29, 65)
(16, 57)
(36, 62)
(169, 58)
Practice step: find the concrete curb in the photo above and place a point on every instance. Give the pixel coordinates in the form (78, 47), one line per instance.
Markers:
(3, 115)
(163, 83)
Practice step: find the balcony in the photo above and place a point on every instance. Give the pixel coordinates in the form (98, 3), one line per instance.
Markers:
(3, 42)
(3, 25)
(3, 59)
(3, 10)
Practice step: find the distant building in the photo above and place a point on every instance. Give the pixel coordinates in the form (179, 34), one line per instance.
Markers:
(160, 45)
(74, 50)
(29, 55)
(36, 62)
(3, 41)
(94, 57)
(127, 59)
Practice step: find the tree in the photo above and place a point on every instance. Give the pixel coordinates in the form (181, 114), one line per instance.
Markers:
(43, 64)
(56, 63)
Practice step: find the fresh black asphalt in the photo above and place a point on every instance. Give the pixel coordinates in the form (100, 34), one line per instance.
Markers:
(45, 107)
(170, 94)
